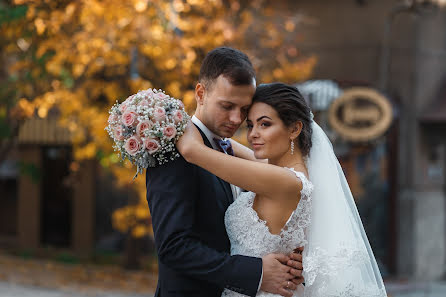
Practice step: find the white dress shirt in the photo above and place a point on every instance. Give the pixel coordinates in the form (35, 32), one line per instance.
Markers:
(210, 136)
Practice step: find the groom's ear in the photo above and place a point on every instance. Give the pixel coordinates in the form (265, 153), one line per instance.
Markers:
(199, 93)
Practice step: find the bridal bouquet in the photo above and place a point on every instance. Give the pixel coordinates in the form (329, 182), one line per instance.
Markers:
(146, 126)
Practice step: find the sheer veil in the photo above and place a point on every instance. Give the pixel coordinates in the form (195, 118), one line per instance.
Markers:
(338, 259)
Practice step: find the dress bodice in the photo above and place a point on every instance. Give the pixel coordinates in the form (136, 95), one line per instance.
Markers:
(250, 235)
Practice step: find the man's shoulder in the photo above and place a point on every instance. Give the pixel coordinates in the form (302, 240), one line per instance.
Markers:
(176, 173)
(179, 164)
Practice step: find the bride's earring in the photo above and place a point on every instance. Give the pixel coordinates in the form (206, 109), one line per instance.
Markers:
(292, 147)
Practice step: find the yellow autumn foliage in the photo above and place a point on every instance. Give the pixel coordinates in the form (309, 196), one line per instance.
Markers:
(81, 56)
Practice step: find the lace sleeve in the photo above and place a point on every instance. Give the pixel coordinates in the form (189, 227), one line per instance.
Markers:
(294, 232)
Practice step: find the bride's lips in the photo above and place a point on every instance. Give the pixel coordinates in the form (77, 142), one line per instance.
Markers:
(256, 145)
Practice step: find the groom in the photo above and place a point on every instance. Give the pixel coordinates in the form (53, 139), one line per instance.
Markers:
(188, 203)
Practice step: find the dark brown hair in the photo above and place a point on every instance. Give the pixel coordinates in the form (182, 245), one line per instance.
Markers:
(231, 63)
(291, 107)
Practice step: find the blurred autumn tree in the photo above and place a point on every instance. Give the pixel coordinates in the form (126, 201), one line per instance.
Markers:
(76, 58)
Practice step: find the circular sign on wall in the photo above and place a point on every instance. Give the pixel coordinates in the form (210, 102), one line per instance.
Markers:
(360, 114)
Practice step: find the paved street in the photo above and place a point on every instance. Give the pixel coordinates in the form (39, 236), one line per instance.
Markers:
(43, 278)
(418, 289)
(16, 290)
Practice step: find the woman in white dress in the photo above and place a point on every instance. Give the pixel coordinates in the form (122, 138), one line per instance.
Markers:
(298, 196)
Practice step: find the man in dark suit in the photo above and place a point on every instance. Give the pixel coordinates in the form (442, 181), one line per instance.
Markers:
(188, 203)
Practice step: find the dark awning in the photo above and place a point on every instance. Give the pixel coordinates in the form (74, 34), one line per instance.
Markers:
(45, 131)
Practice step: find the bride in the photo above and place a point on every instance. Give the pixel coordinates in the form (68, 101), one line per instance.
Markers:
(298, 197)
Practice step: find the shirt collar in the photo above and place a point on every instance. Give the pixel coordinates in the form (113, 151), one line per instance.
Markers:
(209, 134)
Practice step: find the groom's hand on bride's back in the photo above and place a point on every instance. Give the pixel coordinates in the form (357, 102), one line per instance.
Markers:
(277, 276)
(295, 263)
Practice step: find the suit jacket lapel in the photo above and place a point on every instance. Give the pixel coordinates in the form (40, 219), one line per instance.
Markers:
(225, 185)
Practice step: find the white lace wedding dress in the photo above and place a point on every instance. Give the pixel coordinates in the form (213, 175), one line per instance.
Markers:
(338, 260)
(250, 236)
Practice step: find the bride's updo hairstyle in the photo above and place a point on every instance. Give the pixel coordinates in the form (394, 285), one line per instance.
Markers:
(291, 107)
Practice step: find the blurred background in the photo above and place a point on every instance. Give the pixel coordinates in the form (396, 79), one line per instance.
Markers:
(72, 219)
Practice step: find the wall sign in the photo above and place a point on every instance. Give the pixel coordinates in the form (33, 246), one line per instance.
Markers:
(360, 114)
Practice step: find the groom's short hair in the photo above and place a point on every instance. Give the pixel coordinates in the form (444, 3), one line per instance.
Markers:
(229, 62)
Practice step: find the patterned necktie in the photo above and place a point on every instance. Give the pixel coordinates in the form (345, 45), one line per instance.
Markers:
(224, 146)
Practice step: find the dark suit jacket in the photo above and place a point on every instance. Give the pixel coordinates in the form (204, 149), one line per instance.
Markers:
(188, 205)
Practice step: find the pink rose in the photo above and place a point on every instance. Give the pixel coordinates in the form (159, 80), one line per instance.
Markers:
(159, 114)
(132, 145)
(151, 145)
(177, 116)
(169, 132)
(123, 106)
(143, 126)
(129, 118)
(119, 133)
(160, 96)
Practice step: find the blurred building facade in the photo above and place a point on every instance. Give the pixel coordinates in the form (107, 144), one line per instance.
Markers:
(52, 204)
(42, 204)
(403, 204)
